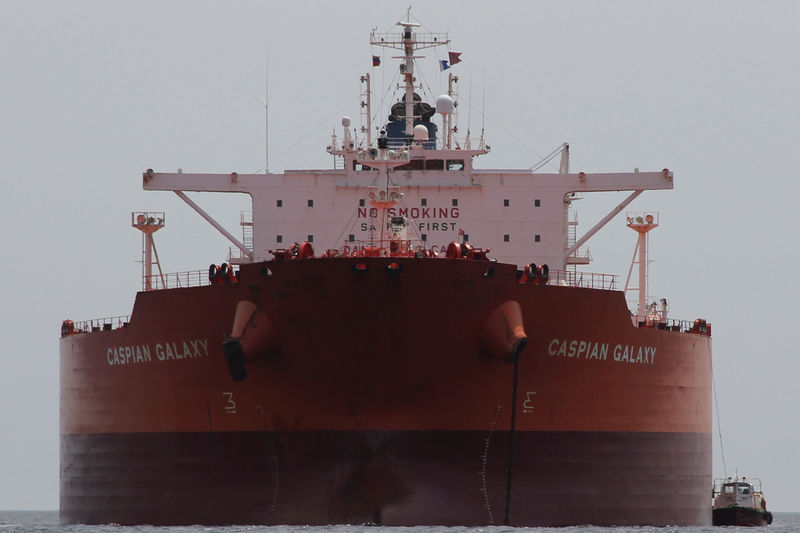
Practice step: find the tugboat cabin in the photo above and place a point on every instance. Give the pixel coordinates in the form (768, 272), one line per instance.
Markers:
(739, 502)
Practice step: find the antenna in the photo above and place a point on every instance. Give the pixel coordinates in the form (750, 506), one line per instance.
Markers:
(469, 115)
(483, 102)
(266, 118)
(483, 112)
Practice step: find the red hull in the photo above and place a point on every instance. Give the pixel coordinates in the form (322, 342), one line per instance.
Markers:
(378, 396)
(391, 478)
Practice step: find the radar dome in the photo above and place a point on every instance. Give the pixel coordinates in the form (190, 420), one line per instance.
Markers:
(420, 133)
(444, 104)
(346, 122)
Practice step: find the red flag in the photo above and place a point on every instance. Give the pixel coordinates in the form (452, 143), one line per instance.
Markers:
(454, 57)
(376, 61)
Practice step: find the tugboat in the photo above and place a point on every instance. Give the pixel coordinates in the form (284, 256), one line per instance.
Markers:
(739, 502)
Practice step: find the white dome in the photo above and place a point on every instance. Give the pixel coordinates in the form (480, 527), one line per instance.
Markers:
(420, 133)
(444, 104)
(346, 122)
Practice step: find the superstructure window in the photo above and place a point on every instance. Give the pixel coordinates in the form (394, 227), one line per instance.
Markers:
(423, 164)
(537, 203)
(310, 238)
(466, 237)
(537, 238)
(361, 202)
(311, 203)
(505, 202)
(351, 237)
(455, 202)
(280, 203)
(279, 238)
(506, 238)
(424, 202)
(424, 237)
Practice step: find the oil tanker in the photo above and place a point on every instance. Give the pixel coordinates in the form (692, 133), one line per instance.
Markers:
(362, 357)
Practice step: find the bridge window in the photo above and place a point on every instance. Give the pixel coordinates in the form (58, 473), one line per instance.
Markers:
(280, 203)
(423, 164)
(455, 164)
(537, 203)
(279, 238)
(506, 238)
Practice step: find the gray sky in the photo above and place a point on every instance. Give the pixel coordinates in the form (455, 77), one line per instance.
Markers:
(92, 93)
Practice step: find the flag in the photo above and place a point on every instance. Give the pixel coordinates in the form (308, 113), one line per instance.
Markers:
(443, 65)
(376, 61)
(454, 57)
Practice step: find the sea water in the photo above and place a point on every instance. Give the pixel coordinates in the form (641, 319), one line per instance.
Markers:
(47, 522)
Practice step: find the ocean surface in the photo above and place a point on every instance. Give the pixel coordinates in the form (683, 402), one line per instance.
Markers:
(47, 521)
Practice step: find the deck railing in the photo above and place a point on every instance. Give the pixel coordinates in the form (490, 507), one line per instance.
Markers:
(177, 280)
(699, 327)
(586, 280)
(197, 278)
(102, 324)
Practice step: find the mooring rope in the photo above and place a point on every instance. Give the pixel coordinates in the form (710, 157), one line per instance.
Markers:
(511, 435)
(719, 425)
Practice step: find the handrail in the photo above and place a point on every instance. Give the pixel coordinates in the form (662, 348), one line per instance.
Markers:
(177, 280)
(587, 280)
(753, 482)
(697, 326)
(590, 280)
(104, 324)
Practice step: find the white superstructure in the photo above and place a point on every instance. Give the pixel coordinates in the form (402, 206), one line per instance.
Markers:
(521, 216)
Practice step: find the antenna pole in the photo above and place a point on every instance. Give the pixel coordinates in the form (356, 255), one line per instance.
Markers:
(266, 119)
(366, 108)
(408, 74)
